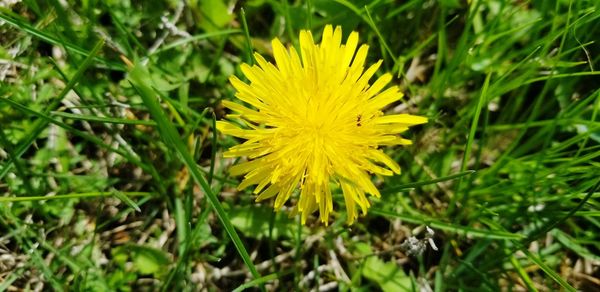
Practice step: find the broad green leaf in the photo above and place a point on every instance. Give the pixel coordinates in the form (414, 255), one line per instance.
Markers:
(388, 275)
(149, 260)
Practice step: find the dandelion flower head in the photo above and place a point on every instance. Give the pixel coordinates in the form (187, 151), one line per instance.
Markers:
(313, 124)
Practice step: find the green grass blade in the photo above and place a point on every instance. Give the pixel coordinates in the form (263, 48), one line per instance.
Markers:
(522, 273)
(551, 225)
(427, 182)
(453, 228)
(127, 200)
(248, 46)
(194, 38)
(549, 271)
(213, 149)
(561, 76)
(108, 120)
(131, 158)
(380, 36)
(76, 196)
(259, 281)
(182, 226)
(469, 146)
(58, 42)
(40, 125)
(171, 137)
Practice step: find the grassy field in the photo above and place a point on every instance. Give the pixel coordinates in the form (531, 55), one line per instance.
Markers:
(112, 176)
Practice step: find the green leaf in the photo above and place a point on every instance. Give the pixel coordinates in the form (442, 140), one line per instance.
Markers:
(149, 260)
(388, 275)
(216, 15)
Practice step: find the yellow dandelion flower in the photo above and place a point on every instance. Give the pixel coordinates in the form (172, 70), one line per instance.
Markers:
(313, 121)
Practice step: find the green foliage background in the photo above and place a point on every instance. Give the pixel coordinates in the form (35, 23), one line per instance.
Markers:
(112, 177)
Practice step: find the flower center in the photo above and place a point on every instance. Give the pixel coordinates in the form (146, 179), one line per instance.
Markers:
(319, 132)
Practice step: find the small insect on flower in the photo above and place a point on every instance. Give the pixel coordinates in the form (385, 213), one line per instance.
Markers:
(313, 123)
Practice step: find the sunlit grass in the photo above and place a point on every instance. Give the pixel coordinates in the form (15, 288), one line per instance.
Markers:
(113, 178)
